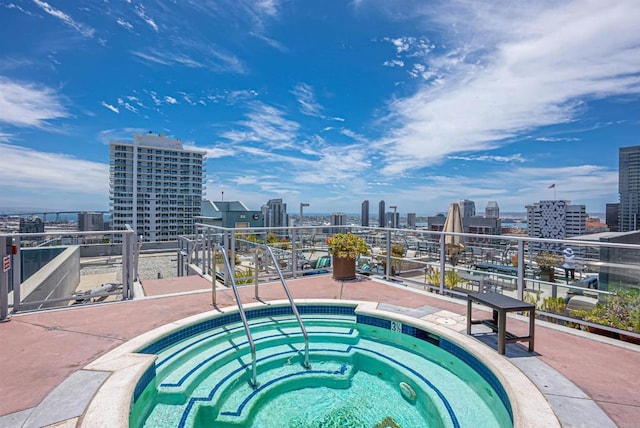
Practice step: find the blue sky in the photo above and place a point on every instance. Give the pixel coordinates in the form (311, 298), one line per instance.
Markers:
(327, 102)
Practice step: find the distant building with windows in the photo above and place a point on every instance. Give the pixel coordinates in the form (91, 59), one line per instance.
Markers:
(555, 220)
(156, 186)
(411, 220)
(230, 214)
(392, 219)
(275, 214)
(629, 188)
(467, 208)
(381, 215)
(32, 224)
(492, 210)
(89, 222)
(612, 217)
(364, 214)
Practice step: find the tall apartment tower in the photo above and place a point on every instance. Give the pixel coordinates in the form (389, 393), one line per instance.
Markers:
(492, 210)
(555, 220)
(364, 214)
(156, 186)
(467, 208)
(381, 214)
(411, 220)
(275, 213)
(629, 188)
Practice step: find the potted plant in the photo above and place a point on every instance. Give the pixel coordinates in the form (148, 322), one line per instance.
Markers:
(345, 248)
(547, 263)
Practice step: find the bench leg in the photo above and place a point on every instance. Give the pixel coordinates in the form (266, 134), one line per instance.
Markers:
(502, 331)
(532, 328)
(469, 302)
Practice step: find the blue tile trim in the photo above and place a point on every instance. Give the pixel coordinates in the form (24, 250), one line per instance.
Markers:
(246, 343)
(209, 397)
(418, 333)
(341, 371)
(374, 321)
(144, 381)
(479, 367)
(265, 312)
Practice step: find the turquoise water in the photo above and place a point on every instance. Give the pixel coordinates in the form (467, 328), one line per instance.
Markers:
(353, 381)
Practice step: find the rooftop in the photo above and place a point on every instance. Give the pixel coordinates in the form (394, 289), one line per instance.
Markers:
(589, 380)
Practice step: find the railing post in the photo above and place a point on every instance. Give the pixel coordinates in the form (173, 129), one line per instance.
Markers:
(214, 280)
(256, 269)
(521, 269)
(443, 256)
(126, 263)
(294, 255)
(17, 273)
(232, 254)
(4, 281)
(387, 273)
(225, 240)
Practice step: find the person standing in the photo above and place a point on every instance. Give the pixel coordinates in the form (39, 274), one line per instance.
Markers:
(569, 264)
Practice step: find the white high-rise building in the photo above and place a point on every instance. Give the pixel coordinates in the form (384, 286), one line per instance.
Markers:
(156, 186)
(555, 220)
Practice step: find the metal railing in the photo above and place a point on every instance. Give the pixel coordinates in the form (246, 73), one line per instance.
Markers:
(294, 309)
(11, 252)
(488, 263)
(243, 316)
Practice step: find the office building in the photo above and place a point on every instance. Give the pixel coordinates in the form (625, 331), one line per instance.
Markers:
(230, 214)
(612, 217)
(156, 186)
(392, 219)
(629, 188)
(32, 224)
(492, 210)
(381, 214)
(555, 220)
(364, 214)
(88, 222)
(467, 208)
(411, 220)
(275, 214)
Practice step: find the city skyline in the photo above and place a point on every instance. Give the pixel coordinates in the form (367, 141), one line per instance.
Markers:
(328, 104)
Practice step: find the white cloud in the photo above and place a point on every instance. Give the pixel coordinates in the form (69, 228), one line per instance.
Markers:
(513, 158)
(81, 28)
(125, 24)
(142, 14)
(25, 168)
(110, 107)
(515, 69)
(26, 104)
(394, 63)
(170, 100)
(553, 139)
(265, 124)
(307, 100)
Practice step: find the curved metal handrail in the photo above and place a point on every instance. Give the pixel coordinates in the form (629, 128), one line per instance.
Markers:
(243, 316)
(306, 363)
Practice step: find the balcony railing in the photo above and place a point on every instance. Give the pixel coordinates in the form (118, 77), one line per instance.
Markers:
(415, 258)
(50, 280)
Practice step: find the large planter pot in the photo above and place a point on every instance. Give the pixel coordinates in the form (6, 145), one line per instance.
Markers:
(344, 269)
(548, 275)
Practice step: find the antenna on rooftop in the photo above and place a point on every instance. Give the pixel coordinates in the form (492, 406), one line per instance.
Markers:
(223, 196)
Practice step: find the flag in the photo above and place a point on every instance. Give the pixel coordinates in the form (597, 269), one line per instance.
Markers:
(553, 186)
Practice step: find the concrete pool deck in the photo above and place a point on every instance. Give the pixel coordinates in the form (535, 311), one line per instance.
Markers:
(44, 352)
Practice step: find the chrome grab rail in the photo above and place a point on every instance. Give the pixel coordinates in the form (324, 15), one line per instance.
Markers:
(243, 316)
(306, 363)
